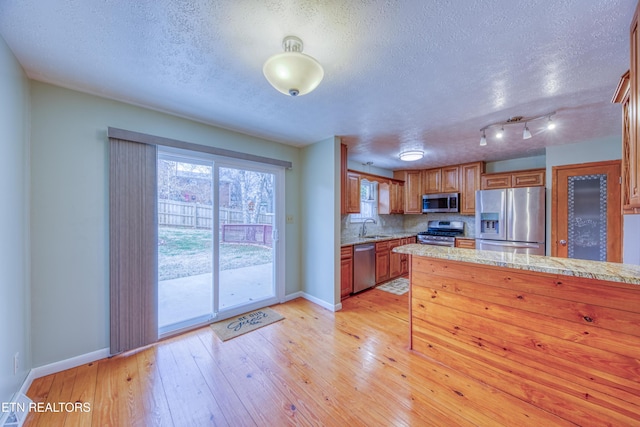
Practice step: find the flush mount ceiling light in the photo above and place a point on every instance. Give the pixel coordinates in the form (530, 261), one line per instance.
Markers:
(410, 156)
(526, 133)
(292, 72)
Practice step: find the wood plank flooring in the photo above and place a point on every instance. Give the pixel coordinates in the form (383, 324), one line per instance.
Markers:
(316, 367)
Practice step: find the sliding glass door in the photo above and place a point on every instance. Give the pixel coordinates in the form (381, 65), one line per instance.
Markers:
(218, 245)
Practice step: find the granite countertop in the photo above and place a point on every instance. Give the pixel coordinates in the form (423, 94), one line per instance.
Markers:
(610, 271)
(349, 241)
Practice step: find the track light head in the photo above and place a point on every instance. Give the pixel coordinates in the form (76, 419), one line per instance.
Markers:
(526, 134)
(550, 124)
(500, 133)
(483, 140)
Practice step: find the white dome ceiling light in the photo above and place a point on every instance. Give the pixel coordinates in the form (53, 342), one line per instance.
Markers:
(292, 72)
(410, 156)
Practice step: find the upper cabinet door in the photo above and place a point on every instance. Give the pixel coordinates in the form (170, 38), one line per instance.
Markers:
(432, 181)
(450, 179)
(470, 182)
(633, 168)
(353, 193)
(411, 190)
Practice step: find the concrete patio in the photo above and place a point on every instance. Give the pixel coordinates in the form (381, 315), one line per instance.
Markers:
(188, 297)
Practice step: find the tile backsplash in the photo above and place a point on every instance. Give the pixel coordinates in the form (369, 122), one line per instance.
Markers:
(389, 224)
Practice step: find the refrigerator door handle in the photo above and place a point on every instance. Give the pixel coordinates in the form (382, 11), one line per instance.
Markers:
(531, 248)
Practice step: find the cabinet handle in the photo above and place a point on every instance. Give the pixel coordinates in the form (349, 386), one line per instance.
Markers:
(563, 242)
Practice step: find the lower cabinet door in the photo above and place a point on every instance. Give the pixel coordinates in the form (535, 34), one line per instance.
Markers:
(382, 266)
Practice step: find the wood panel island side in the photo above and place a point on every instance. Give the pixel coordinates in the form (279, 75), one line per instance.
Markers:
(561, 335)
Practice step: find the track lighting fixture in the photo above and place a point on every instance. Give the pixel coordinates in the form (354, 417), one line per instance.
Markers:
(526, 133)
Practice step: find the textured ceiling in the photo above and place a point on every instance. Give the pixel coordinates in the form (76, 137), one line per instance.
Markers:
(398, 74)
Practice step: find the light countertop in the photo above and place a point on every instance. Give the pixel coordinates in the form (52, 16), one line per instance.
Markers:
(385, 236)
(613, 272)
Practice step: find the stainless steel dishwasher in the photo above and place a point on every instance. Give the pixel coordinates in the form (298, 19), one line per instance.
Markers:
(364, 266)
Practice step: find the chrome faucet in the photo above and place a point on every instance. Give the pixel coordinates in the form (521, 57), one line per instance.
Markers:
(363, 230)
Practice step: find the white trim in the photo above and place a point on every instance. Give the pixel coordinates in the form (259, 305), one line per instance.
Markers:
(62, 365)
(321, 303)
(291, 297)
(72, 362)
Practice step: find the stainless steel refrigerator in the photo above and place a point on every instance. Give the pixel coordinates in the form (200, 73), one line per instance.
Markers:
(511, 220)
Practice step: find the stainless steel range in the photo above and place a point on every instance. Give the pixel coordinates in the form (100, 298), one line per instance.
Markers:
(441, 233)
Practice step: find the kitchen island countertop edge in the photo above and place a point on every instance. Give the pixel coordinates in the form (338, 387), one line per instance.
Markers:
(609, 271)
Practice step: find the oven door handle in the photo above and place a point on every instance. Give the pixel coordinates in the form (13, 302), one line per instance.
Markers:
(450, 244)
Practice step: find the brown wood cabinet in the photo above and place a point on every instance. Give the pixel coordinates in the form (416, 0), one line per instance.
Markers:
(389, 264)
(463, 178)
(633, 166)
(525, 178)
(621, 96)
(343, 179)
(346, 271)
(349, 186)
(530, 178)
(411, 191)
(450, 179)
(470, 174)
(431, 180)
(630, 146)
(397, 197)
(382, 262)
(390, 197)
(352, 202)
(465, 243)
(441, 180)
(404, 260)
(395, 260)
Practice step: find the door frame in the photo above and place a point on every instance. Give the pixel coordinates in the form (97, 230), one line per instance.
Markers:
(614, 213)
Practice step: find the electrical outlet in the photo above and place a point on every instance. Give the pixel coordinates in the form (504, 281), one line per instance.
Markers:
(289, 219)
(16, 365)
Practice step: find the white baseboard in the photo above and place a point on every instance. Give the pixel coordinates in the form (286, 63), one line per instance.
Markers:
(321, 303)
(314, 300)
(62, 365)
(293, 296)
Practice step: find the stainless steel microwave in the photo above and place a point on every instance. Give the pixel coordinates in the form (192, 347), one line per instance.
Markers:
(446, 202)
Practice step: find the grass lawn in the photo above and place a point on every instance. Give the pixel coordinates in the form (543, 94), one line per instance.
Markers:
(186, 252)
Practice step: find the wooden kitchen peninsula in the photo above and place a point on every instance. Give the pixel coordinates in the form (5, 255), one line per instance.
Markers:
(560, 334)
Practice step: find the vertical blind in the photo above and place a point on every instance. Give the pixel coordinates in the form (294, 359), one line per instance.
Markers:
(133, 260)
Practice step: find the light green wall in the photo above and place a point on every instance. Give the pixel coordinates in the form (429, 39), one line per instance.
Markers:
(369, 169)
(14, 224)
(69, 215)
(596, 150)
(523, 163)
(321, 220)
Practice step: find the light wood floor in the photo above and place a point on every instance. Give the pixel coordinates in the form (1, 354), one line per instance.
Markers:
(350, 368)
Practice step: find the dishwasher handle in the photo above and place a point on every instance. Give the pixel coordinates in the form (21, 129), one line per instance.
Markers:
(365, 247)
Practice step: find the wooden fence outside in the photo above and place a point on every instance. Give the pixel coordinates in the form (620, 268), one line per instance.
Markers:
(194, 215)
